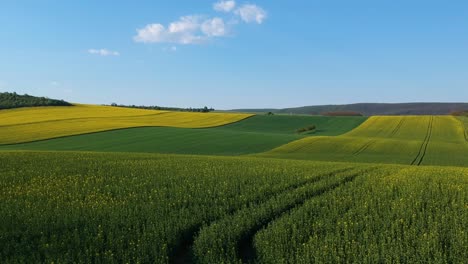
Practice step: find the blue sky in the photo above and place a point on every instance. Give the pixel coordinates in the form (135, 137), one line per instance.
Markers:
(235, 54)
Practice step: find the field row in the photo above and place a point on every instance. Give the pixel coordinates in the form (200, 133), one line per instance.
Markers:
(85, 207)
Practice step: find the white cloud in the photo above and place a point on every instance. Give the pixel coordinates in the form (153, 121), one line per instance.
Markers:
(54, 83)
(185, 24)
(251, 13)
(196, 29)
(151, 33)
(187, 30)
(224, 6)
(214, 27)
(103, 52)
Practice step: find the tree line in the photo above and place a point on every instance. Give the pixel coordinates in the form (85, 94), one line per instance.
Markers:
(14, 100)
(155, 107)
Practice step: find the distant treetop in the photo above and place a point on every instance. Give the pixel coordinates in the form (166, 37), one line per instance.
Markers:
(14, 100)
(155, 107)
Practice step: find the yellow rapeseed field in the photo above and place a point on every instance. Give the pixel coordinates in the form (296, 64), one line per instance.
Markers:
(38, 123)
(417, 140)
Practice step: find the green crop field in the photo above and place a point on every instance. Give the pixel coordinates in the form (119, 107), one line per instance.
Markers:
(149, 208)
(288, 124)
(253, 135)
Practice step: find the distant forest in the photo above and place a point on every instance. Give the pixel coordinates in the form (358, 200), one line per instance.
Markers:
(14, 100)
(200, 110)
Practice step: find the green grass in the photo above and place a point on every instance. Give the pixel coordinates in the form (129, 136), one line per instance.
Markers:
(416, 140)
(253, 135)
(150, 208)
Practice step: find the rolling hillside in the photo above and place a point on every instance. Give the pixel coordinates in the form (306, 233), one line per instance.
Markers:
(252, 135)
(415, 140)
(324, 195)
(371, 109)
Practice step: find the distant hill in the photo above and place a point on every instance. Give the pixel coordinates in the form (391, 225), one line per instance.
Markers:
(14, 100)
(370, 109)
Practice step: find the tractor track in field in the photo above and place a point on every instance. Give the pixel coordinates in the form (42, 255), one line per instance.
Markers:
(182, 253)
(423, 149)
(371, 142)
(245, 246)
(397, 127)
(364, 147)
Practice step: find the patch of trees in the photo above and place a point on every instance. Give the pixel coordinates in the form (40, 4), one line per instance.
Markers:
(342, 113)
(460, 113)
(305, 129)
(155, 107)
(14, 100)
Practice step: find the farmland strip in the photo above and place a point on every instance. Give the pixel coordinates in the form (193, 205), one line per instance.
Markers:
(183, 252)
(422, 150)
(82, 118)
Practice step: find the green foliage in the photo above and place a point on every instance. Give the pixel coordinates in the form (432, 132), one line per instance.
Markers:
(14, 100)
(305, 129)
(91, 207)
